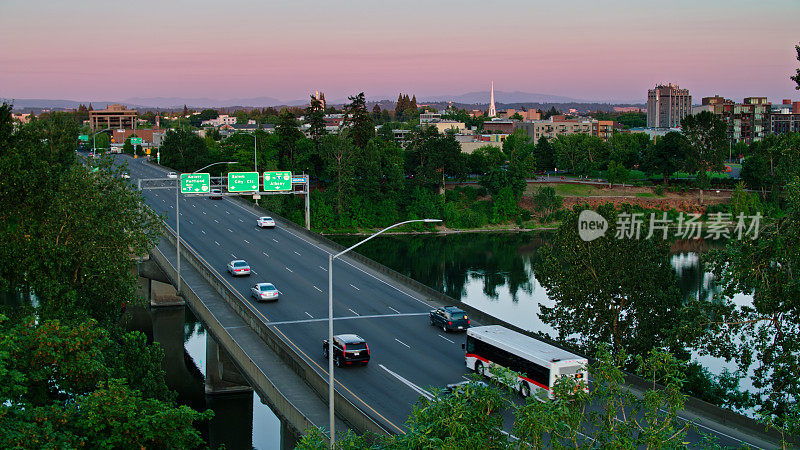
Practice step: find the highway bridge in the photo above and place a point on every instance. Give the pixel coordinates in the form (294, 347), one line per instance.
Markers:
(409, 357)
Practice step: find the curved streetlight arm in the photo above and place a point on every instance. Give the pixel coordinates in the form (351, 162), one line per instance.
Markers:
(214, 164)
(385, 229)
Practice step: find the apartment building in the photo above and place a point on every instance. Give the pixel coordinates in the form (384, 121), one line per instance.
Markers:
(748, 121)
(785, 117)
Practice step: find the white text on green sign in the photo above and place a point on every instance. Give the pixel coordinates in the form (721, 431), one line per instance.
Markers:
(195, 183)
(242, 181)
(83, 137)
(135, 140)
(277, 181)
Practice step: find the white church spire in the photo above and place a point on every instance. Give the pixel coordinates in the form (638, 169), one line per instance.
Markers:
(492, 110)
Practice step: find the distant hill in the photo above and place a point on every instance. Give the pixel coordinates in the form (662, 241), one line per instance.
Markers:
(41, 103)
(202, 102)
(482, 97)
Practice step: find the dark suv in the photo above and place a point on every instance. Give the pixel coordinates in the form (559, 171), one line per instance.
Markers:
(450, 318)
(347, 349)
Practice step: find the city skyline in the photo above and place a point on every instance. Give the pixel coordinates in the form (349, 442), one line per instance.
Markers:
(607, 53)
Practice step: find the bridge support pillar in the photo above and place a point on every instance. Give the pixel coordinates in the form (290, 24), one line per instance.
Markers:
(168, 331)
(222, 375)
(233, 420)
(163, 295)
(289, 436)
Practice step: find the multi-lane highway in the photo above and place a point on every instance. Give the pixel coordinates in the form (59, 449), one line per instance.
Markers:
(408, 356)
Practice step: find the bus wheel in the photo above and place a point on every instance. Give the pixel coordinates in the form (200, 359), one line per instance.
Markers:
(524, 389)
(479, 368)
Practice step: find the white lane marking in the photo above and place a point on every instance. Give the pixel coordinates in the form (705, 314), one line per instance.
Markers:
(323, 268)
(190, 222)
(355, 288)
(398, 340)
(215, 205)
(203, 231)
(265, 254)
(398, 312)
(343, 260)
(251, 270)
(228, 213)
(448, 340)
(290, 270)
(298, 254)
(234, 256)
(215, 220)
(245, 241)
(309, 315)
(230, 230)
(216, 242)
(194, 206)
(317, 288)
(413, 386)
(204, 212)
(240, 220)
(287, 322)
(354, 312)
(274, 239)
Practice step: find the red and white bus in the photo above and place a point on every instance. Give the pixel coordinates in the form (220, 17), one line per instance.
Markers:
(538, 363)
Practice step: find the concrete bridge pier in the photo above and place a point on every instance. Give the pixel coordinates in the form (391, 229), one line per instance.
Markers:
(158, 288)
(222, 375)
(289, 436)
(232, 424)
(168, 329)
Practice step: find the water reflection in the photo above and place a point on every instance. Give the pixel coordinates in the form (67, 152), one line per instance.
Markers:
(495, 272)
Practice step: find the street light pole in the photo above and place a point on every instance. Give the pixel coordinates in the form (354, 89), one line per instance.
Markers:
(178, 218)
(331, 257)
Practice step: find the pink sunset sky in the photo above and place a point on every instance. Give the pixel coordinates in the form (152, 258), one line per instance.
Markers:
(605, 51)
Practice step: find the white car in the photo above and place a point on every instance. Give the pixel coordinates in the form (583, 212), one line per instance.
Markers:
(264, 291)
(265, 222)
(172, 175)
(238, 267)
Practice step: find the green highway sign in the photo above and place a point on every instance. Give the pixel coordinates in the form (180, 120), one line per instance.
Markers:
(195, 183)
(83, 137)
(242, 181)
(277, 181)
(136, 140)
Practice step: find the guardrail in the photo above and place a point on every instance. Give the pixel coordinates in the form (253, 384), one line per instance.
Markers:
(286, 350)
(717, 414)
(713, 412)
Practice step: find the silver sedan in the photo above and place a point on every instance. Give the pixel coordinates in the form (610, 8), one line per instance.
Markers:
(238, 267)
(264, 291)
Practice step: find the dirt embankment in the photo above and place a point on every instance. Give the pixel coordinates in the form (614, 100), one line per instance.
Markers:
(595, 195)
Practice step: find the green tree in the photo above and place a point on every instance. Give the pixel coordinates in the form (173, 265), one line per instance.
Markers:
(544, 155)
(743, 202)
(315, 118)
(599, 297)
(127, 147)
(628, 148)
(796, 77)
(358, 121)
(617, 173)
(666, 156)
(546, 201)
(707, 134)
(289, 134)
(431, 156)
(764, 335)
(184, 151)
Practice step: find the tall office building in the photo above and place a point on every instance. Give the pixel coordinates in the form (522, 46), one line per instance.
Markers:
(667, 105)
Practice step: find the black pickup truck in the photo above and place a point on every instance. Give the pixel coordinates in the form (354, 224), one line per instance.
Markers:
(450, 318)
